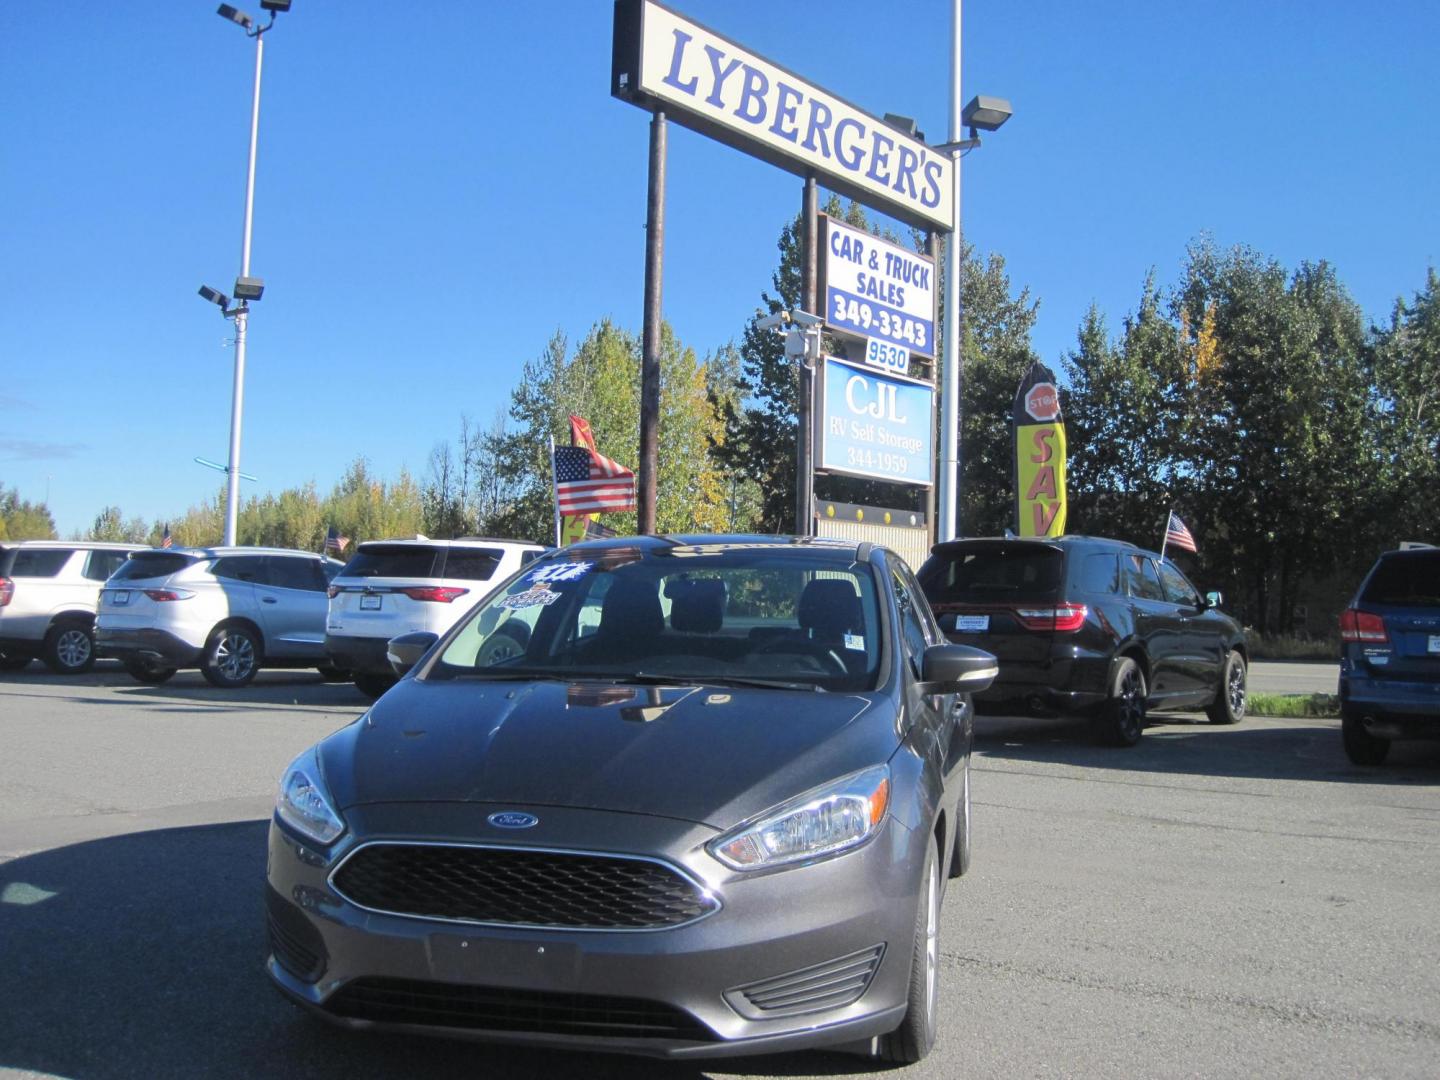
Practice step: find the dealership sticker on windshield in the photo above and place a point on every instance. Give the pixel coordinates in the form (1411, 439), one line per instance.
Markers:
(535, 597)
(972, 624)
(569, 571)
(855, 641)
(1435, 642)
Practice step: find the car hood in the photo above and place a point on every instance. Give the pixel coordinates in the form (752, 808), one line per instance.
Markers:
(702, 754)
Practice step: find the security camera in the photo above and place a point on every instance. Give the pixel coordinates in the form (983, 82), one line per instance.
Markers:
(773, 322)
(804, 318)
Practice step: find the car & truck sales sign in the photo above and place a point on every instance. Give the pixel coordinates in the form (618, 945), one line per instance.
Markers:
(877, 289)
(664, 61)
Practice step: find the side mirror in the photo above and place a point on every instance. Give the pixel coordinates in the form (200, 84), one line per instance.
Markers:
(405, 651)
(957, 669)
(1214, 599)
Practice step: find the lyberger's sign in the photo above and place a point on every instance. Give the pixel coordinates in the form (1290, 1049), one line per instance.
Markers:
(662, 60)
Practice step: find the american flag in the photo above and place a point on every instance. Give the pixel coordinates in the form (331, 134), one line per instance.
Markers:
(587, 482)
(334, 542)
(1176, 533)
(165, 540)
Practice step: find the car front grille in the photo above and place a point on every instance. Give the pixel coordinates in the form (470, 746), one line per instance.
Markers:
(433, 1004)
(520, 887)
(830, 985)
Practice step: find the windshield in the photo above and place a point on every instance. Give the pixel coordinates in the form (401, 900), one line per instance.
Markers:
(765, 613)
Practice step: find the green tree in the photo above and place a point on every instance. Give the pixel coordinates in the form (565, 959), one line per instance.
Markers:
(21, 519)
(111, 527)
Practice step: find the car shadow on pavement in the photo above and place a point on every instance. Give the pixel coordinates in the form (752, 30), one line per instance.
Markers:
(141, 955)
(299, 686)
(1182, 743)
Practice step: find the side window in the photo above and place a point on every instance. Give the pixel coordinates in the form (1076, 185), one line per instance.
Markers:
(1100, 574)
(1141, 577)
(39, 562)
(1177, 589)
(527, 557)
(294, 572)
(240, 568)
(101, 564)
(912, 627)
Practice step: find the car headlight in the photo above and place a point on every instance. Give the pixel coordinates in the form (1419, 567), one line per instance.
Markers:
(304, 804)
(824, 821)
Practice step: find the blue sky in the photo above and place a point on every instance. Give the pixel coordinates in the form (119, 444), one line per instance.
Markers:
(443, 185)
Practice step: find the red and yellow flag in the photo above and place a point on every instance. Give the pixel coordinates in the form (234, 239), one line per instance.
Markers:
(1040, 502)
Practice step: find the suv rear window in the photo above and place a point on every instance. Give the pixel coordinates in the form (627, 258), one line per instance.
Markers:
(1407, 580)
(37, 562)
(995, 572)
(393, 560)
(151, 564)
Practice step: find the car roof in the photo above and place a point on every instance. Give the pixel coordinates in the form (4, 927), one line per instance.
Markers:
(217, 552)
(1068, 540)
(838, 549)
(86, 545)
(422, 541)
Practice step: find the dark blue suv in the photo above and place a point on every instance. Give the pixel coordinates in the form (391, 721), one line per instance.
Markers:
(1390, 655)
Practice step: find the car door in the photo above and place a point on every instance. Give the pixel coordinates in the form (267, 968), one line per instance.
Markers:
(1201, 648)
(1159, 626)
(292, 605)
(935, 715)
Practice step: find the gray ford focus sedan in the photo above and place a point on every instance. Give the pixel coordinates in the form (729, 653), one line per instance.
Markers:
(677, 796)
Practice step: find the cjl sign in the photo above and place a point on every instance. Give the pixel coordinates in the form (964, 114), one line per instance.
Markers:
(875, 425)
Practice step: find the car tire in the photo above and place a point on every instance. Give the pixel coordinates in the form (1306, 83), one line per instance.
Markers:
(69, 648)
(912, 1040)
(1361, 747)
(1122, 718)
(13, 663)
(960, 860)
(372, 686)
(334, 674)
(150, 673)
(232, 656)
(1229, 704)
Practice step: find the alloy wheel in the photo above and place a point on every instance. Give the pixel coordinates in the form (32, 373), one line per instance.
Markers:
(73, 648)
(1235, 690)
(235, 656)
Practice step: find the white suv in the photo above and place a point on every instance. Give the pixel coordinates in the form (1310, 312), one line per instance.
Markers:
(48, 590)
(227, 610)
(394, 587)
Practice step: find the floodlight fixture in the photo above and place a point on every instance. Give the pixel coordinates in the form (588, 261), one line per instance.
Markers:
(278, 7)
(238, 17)
(985, 113)
(905, 125)
(215, 296)
(249, 288)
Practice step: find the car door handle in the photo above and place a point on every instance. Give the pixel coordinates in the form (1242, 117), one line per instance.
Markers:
(268, 600)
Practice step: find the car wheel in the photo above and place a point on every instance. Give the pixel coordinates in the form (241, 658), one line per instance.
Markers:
(13, 663)
(1122, 717)
(1360, 746)
(1229, 704)
(507, 642)
(334, 674)
(960, 861)
(148, 672)
(232, 657)
(69, 648)
(372, 686)
(913, 1039)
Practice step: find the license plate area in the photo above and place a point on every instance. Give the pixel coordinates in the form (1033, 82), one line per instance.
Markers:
(370, 601)
(972, 624)
(121, 597)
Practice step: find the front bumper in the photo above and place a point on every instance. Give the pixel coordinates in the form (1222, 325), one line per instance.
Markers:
(325, 950)
(152, 646)
(360, 655)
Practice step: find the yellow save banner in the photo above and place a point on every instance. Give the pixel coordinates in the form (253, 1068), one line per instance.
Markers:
(572, 527)
(1040, 479)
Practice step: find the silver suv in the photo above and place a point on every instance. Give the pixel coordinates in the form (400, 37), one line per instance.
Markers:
(227, 610)
(48, 590)
(394, 587)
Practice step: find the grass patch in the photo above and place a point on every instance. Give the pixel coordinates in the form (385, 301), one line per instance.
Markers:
(1294, 706)
(1292, 647)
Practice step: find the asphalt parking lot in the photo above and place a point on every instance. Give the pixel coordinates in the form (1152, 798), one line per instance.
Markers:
(1214, 902)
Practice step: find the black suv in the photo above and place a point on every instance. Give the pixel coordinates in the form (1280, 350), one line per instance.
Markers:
(1390, 655)
(1084, 625)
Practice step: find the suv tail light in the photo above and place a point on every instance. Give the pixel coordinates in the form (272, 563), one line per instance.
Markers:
(7, 591)
(1063, 618)
(1362, 626)
(164, 595)
(439, 594)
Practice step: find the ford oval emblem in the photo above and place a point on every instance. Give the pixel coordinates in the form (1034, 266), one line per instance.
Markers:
(513, 819)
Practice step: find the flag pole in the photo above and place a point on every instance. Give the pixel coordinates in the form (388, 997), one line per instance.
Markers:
(1166, 538)
(555, 490)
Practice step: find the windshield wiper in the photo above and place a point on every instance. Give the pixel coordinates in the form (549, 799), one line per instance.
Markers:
(652, 679)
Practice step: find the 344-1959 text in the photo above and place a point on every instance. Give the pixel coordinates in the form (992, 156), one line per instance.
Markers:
(873, 460)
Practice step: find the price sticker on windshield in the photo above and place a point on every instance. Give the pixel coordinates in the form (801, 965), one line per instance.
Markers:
(1435, 643)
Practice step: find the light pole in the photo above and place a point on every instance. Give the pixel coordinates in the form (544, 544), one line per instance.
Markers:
(247, 288)
(985, 113)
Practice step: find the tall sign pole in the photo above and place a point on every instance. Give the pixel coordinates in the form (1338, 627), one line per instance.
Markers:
(650, 360)
(809, 301)
(947, 523)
